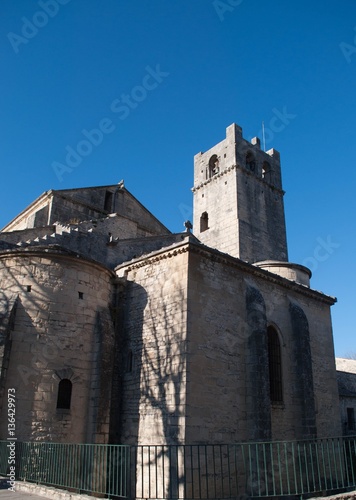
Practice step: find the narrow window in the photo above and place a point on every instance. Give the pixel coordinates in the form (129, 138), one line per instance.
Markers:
(64, 394)
(204, 222)
(213, 166)
(81, 295)
(28, 288)
(250, 161)
(108, 201)
(350, 419)
(275, 365)
(266, 171)
(129, 365)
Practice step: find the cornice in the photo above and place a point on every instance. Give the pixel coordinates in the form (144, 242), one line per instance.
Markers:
(53, 252)
(244, 170)
(214, 177)
(263, 274)
(228, 260)
(166, 253)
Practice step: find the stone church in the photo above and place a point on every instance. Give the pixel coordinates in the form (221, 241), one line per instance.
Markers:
(115, 330)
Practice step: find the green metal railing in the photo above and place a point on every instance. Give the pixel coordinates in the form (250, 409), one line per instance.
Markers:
(190, 471)
(86, 468)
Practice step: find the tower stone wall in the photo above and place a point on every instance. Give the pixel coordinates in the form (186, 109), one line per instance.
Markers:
(238, 199)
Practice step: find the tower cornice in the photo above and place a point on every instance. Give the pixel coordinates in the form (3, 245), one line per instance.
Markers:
(236, 167)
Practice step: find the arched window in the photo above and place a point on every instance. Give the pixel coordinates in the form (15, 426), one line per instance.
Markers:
(213, 166)
(204, 222)
(275, 365)
(64, 394)
(266, 171)
(250, 161)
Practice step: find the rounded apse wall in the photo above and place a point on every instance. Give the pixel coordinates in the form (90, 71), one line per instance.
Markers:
(61, 330)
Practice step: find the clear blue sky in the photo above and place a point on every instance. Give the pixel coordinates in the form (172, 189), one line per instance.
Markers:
(214, 62)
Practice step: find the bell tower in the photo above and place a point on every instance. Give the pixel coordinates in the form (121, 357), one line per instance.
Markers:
(238, 199)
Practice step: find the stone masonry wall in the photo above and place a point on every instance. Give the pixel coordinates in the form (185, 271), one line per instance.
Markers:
(225, 395)
(308, 363)
(218, 198)
(153, 410)
(62, 330)
(261, 223)
(75, 205)
(27, 218)
(238, 190)
(221, 398)
(346, 377)
(225, 379)
(89, 203)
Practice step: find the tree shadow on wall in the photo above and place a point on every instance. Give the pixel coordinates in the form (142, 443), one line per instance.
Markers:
(156, 376)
